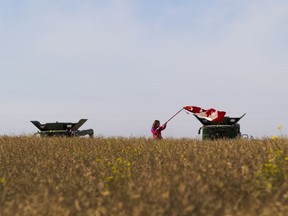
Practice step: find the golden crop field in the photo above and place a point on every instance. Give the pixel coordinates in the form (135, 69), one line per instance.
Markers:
(139, 176)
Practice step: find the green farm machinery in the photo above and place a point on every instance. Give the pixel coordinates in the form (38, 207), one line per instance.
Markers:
(67, 129)
(228, 128)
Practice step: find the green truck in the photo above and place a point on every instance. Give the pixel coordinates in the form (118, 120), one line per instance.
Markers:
(228, 128)
(67, 129)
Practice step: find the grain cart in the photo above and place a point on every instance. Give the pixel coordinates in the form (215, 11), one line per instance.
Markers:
(226, 129)
(67, 129)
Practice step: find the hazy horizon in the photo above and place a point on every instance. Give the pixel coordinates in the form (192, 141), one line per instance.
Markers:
(123, 64)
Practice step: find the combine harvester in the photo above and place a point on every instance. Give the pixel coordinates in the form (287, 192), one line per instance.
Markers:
(226, 129)
(63, 129)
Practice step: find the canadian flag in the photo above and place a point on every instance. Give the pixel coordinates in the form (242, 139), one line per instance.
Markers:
(210, 114)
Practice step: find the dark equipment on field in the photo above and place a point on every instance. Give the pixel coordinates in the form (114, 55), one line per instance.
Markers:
(226, 129)
(67, 129)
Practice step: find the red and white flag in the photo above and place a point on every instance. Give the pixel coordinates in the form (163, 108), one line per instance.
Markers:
(210, 114)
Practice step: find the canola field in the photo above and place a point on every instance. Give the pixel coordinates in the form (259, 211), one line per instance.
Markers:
(139, 176)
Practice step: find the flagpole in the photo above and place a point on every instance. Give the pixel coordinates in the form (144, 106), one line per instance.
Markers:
(173, 116)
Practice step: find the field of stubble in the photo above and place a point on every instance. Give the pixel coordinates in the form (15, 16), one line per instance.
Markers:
(138, 176)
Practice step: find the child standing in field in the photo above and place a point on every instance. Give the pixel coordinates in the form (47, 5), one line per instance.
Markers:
(156, 129)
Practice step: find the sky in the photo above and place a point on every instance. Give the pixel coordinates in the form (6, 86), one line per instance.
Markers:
(121, 64)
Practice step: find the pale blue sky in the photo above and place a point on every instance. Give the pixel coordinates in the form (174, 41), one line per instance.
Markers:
(122, 64)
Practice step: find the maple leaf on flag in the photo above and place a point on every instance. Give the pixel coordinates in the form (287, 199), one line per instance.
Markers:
(210, 114)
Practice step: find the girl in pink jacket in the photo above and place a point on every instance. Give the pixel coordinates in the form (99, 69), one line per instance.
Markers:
(156, 129)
